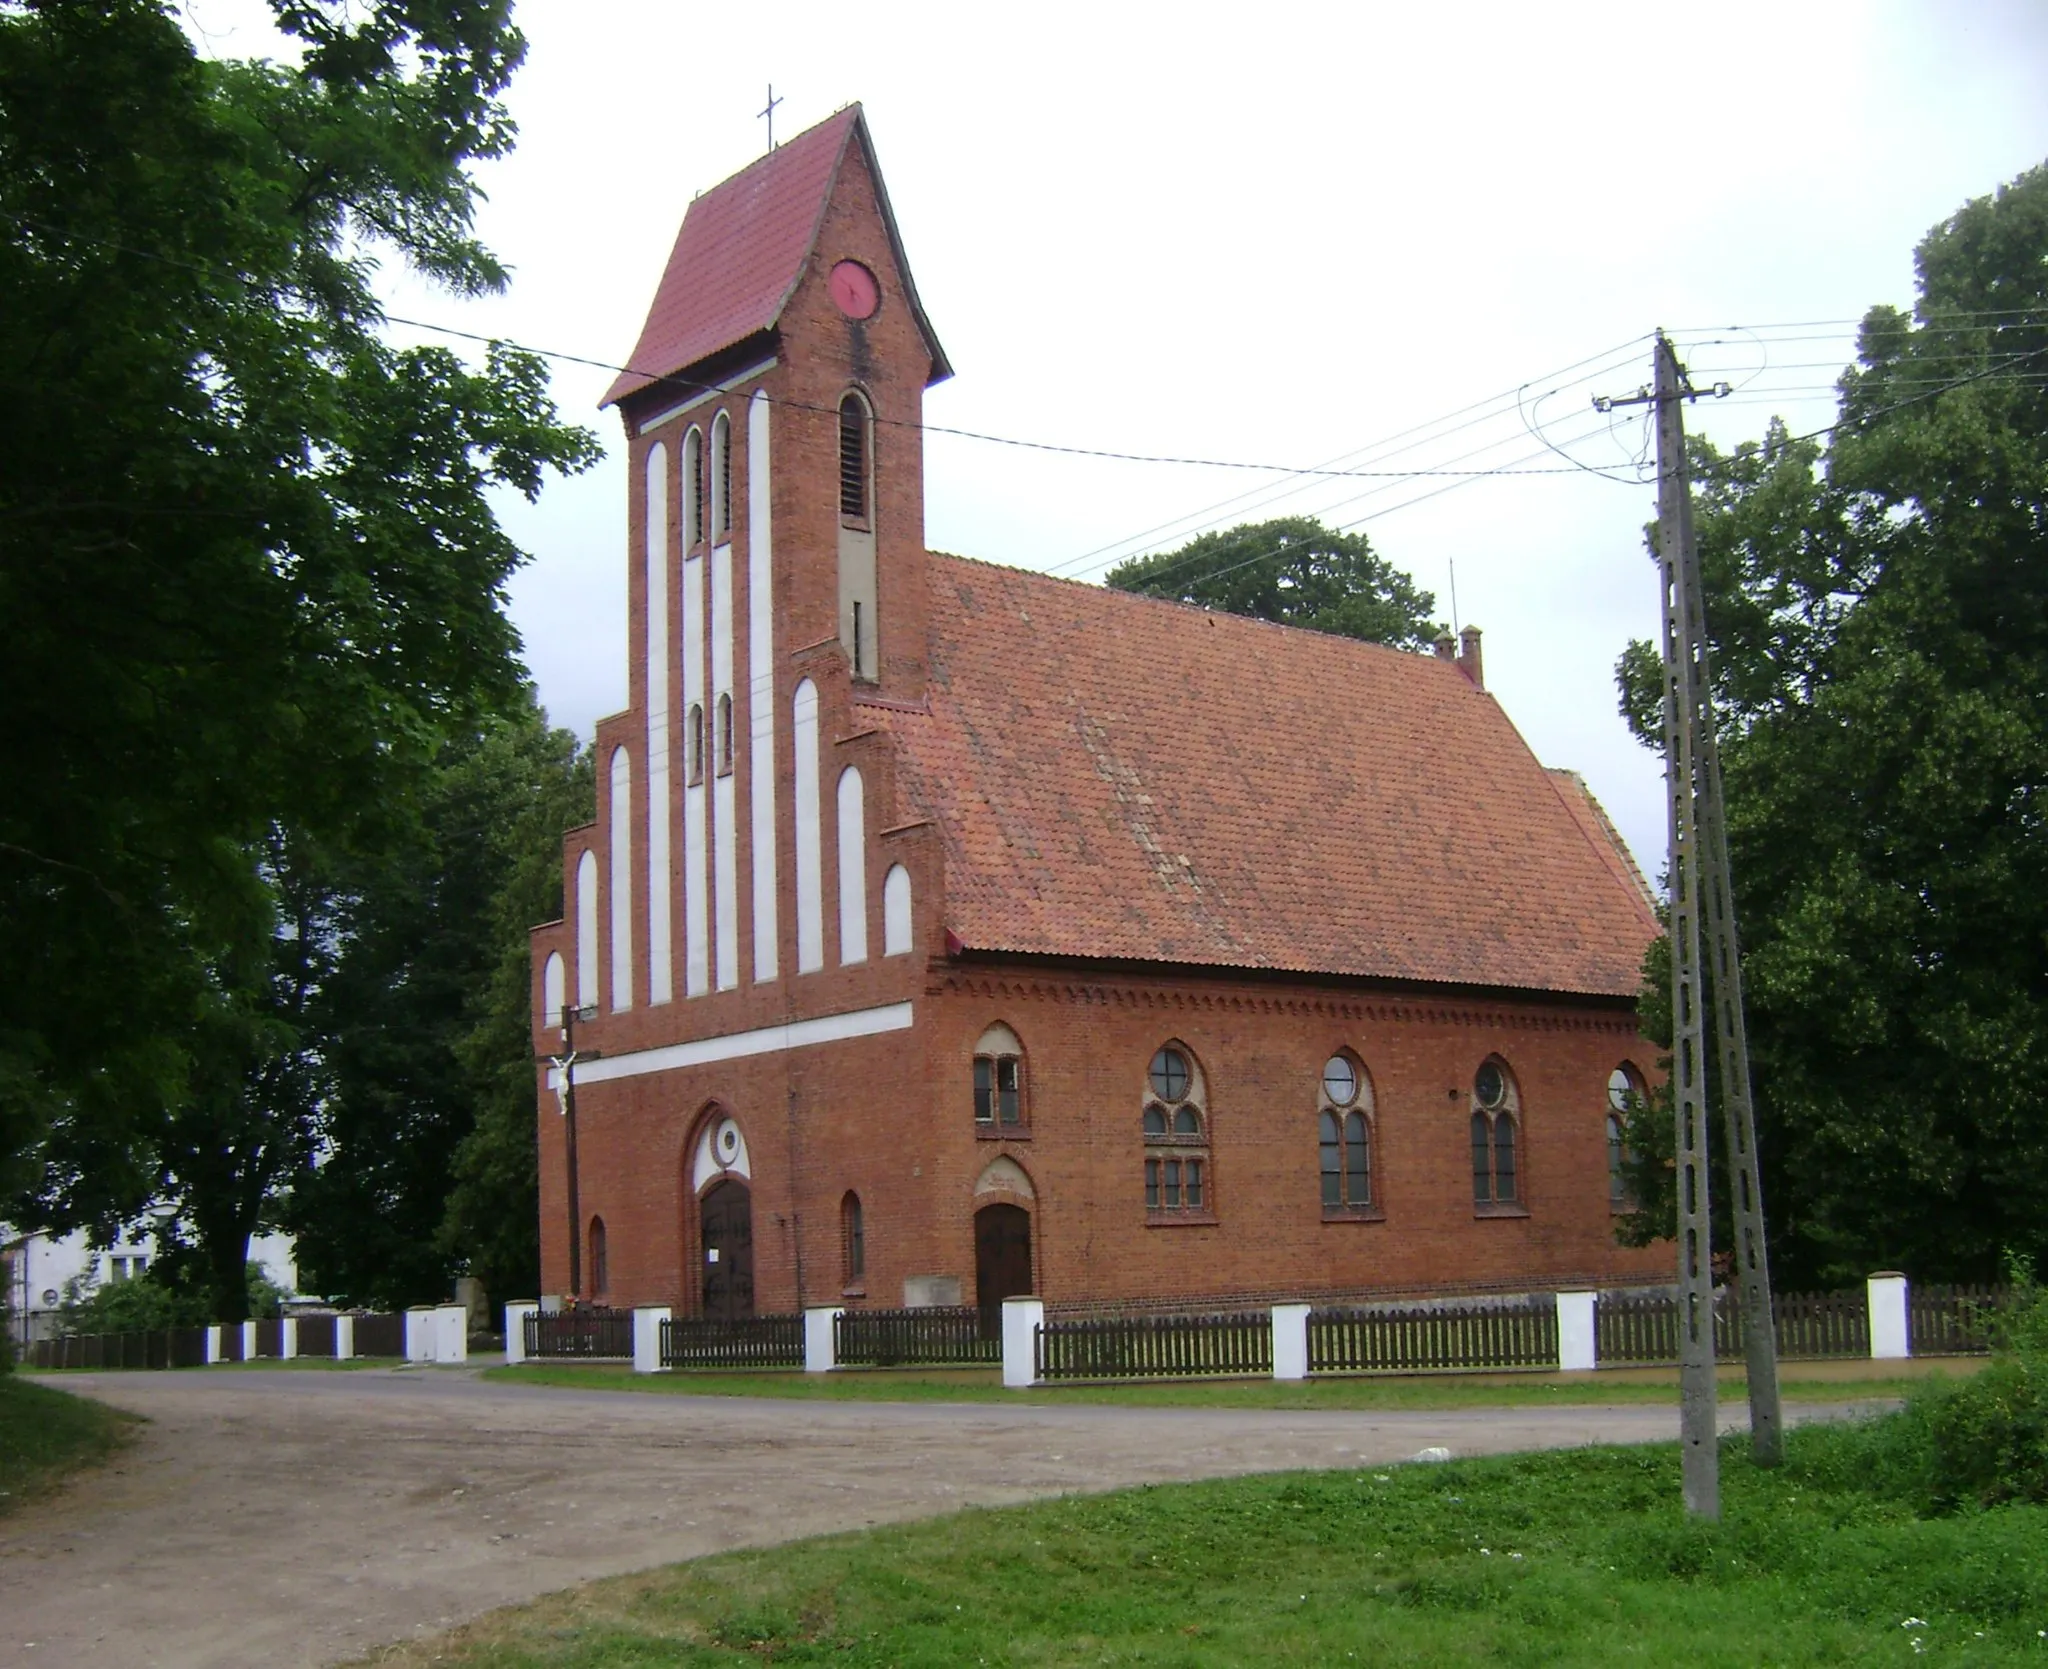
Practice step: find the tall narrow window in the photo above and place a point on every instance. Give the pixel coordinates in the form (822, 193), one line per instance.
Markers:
(600, 1260)
(859, 671)
(1344, 1139)
(998, 1083)
(1624, 1095)
(693, 489)
(1496, 1116)
(853, 1241)
(693, 744)
(853, 459)
(725, 735)
(721, 478)
(1174, 1123)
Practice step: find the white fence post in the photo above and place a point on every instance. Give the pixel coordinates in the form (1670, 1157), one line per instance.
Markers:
(248, 1341)
(515, 1328)
(344, 1338)
(647, 1320)
(451, 1338)
(212, 1345)
(1578, 1341)
(421, 1324)
(288, 1338)
(1890, 1337)
(819, 1354)
(1022, 1318)
(1290, 1341)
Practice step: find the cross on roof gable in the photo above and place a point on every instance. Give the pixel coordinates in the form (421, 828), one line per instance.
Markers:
(744, 247)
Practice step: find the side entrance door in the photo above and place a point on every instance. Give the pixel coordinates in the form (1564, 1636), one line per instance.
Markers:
(1002, 1262)
(727, 1215)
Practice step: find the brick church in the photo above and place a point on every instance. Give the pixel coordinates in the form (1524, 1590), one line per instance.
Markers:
(949, 932)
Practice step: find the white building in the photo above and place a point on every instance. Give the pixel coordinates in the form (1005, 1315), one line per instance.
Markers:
(39, 1268)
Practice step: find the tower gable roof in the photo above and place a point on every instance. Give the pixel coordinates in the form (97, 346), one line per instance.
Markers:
(743, 248)
(1119, 777)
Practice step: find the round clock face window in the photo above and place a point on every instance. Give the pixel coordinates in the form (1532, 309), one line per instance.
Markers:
(1170, 1076)
(1340, 1080)
(854, 290)
(728, 1142)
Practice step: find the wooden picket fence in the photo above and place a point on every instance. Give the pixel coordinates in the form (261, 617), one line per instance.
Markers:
(1951, 1320)
(938, 1336)
(586, 1334)
(1434, 1338)
(762, 1341)
(1642, 1327)
(1155, 1347)
(185, 1347)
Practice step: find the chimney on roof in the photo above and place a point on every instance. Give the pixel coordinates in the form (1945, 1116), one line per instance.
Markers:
(1446, 646)
(1469, 662)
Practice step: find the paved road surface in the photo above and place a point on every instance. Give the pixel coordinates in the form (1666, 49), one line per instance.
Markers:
(271, 1519)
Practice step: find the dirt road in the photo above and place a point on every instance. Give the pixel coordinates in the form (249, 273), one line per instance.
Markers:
(268, 1519)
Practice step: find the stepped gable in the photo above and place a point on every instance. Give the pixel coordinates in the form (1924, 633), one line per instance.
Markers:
(1120, 777)
(741, 250)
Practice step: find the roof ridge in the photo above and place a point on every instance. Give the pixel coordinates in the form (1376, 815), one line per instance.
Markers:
(1098, 588)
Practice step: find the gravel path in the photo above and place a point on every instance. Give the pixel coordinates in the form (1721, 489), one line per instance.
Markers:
(271, 1519)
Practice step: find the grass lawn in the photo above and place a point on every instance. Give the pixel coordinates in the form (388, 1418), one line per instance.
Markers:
(45, 1434)
(1581, 1557)
(984, 1385)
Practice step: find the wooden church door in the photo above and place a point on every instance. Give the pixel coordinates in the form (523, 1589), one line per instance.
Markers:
(1002, 1262)
(727, 1214)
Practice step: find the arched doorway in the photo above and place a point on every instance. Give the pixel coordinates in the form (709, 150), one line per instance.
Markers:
(725, 1217)
(1002, 1262)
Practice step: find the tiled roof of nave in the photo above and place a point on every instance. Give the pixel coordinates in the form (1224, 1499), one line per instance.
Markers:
(1119, 777)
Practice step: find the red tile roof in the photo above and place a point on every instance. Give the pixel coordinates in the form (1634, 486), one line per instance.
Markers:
(1120, 777)
(741, 250)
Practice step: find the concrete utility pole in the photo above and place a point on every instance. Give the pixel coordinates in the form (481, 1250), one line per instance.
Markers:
(1702, 930)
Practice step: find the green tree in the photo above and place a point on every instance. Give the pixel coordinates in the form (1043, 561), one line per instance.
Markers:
(247, 556)
(492, 1222)
(1880, 616)
(425, 939)
(1294, 571)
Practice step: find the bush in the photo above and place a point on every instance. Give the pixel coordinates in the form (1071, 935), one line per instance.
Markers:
(148, 1304)
(1959, 1443)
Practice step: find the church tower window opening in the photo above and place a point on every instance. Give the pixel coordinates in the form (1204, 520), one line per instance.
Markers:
(998, 1083)
(721, 478)
(1344, 1128)
(725, 735)
(1175, 1126)
(853, 461)
(1496, 1121)
(693, 744)
(693, 489)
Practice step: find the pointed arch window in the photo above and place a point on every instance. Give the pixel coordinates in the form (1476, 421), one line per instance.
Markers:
(853, 1243)
(855, 461)
(724, 741)
(1174, 1123)
(693, 489)
(1496, 1130)
(1624, 1096)
(693, 744)
(999, 1084)
(721, 478)
(1344, 1145)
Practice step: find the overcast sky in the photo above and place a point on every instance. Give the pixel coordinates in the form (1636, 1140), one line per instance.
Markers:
(1278, 234)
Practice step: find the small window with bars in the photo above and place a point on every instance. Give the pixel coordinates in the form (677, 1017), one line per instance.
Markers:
(998, 1083)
